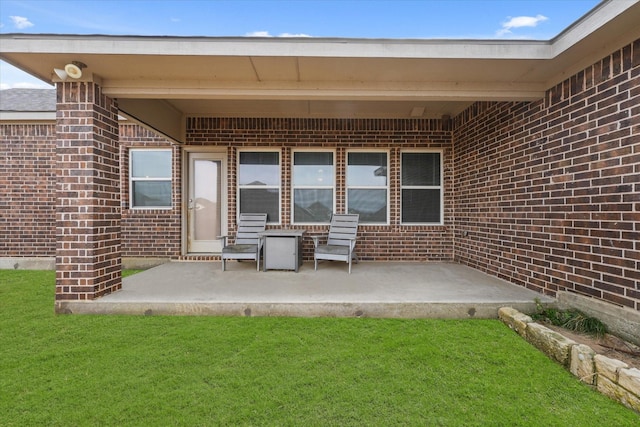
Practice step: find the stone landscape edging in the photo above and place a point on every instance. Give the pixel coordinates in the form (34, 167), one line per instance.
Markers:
(610, 377)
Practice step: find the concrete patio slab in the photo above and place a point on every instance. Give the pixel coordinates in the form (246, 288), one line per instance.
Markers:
(391, 290)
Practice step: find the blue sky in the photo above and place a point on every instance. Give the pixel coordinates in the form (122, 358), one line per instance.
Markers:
(413, 19)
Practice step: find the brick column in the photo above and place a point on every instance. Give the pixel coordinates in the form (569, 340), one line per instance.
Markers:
(88, 256)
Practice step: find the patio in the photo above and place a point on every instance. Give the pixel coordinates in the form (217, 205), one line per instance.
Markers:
(386, 290)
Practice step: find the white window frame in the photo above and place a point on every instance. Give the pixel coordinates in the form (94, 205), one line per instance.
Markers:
(294, 186)
(260, 187)
(133, 179)
(376, 187)
(423, 187)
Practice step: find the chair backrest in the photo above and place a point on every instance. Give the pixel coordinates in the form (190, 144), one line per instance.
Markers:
(249, 225)
(343, 228)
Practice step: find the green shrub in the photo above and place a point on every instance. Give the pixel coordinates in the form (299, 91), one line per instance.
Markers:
(571, 319)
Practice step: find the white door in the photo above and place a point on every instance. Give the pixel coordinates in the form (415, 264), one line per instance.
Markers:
(205, 208)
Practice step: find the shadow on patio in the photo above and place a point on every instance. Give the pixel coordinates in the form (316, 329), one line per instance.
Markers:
(390, 290)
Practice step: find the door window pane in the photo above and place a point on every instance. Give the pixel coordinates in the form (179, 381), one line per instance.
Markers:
(206, 194)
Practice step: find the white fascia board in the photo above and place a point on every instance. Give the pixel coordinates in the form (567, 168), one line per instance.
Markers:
(259, 46)
(318, 47)
(27, 116)
(589, 23)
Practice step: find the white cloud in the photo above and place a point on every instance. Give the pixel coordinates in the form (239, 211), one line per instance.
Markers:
(294, 35)
(259, 34)
(267, 34)
(13, 78)
(24, 85)
(20, 22)
(519, 22)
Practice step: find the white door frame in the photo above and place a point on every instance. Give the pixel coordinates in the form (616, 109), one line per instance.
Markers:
(213, 153)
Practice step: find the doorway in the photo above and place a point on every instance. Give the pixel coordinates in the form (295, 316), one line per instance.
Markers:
(206, 202)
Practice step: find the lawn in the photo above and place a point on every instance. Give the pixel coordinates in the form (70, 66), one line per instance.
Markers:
(75, 370)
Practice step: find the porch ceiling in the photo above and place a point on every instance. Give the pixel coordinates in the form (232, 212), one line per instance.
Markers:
(161, 80)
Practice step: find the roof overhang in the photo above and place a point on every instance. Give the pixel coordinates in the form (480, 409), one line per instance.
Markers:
(161, 80)
(27, 116)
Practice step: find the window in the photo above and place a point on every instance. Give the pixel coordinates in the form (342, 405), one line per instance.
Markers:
(421, 187)
(367, 186)
(259, 183)
(313, 186)
(150, 178)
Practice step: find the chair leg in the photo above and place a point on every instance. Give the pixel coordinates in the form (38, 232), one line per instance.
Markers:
(349, 265)
(315, 268)
(222, 264)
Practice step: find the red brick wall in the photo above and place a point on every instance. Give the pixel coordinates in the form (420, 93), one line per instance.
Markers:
(545, 193)
(149, 232)
(28, 199)
(28, 202)
(389, 243)
(549, 191)
(88, 257)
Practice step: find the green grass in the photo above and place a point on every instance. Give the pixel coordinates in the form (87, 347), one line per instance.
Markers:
(75, 370)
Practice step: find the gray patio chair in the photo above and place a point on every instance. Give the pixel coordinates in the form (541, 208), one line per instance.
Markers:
(341, 240)
(247, 243)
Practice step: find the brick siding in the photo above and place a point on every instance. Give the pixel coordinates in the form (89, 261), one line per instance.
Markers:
(28, 203)
(394, 242)
(547, 193)
(149, 232)
(88, 257)
(28, 182)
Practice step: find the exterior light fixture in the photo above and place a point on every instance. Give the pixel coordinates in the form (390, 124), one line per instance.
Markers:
(72, 70)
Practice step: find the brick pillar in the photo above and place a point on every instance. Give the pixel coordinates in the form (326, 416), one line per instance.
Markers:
(88, 256)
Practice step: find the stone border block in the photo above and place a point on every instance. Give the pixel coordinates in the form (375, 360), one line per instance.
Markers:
(608, 367)
(555, 345)
(515, 320)
(615, 392)
(582, 363)
(630, 380)
(611, 377)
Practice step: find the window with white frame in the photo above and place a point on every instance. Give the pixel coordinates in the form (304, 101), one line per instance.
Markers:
(259, 183)
(313, 186)
(368, 186)
(421, 187)
(150, 178)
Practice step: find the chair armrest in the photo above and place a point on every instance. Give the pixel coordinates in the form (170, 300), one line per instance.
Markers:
(316, 240)
(224, 240)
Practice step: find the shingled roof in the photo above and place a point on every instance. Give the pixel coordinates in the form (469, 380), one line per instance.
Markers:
(28, 100)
